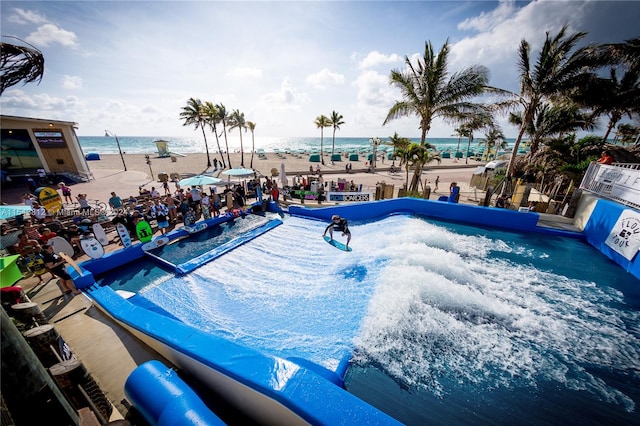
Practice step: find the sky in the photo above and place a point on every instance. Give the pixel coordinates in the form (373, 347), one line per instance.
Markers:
(131, 66)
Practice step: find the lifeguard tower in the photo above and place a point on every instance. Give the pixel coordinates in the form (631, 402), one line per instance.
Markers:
(163, 148)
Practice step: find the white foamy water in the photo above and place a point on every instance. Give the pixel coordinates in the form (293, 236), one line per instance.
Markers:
(425, 304)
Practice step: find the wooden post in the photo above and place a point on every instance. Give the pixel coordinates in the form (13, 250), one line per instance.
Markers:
(76, 383)
(44, 340)
(28, 314)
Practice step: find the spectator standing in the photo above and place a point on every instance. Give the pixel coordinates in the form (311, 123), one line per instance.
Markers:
(115, 202)
(66, 193)
(30, 183)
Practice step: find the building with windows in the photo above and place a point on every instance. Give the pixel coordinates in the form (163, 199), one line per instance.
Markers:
(37, 146)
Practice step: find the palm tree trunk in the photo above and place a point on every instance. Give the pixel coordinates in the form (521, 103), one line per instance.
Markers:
(215, 132)
(226, 143)
(514, 151)
(333, 144)
(322, 145)
(417, 172)
(253, 148)
(206, 147)
(466, 157)
(609, 127)
(241, 149)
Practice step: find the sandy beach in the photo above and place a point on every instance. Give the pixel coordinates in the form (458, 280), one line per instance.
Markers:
(109, 175)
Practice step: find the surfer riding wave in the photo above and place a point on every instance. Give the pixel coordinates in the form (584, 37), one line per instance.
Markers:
(338, 224)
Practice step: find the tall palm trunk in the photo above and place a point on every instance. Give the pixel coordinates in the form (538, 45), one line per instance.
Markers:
(526, 121)
(206, 146)
(322, 145)
(226, 143)
(466, 157)
(417, 166)
(253, 148)
(241, 149)
(215, 132)
(333, 144)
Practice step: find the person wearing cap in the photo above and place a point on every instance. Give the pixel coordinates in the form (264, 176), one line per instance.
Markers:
(339, 224)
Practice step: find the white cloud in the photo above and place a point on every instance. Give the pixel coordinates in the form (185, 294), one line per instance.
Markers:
(325, 78)
(243, 73)
(50, 34)
(500, 32)
(13, 99)
(488, 20)
(72, 82)
(22, 17)
(287, 97)
(376, 58)
(374, 89)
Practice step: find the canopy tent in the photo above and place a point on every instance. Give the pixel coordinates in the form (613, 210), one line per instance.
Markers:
(199, 180)
(239, 172)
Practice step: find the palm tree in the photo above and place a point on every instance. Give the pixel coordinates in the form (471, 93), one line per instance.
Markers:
(459, 132)
(415, 154)
(252, 126)
(211, 118)
(399, 144)
(194, 113)
(321, 122)
(627, 133)
(550, 121)
(428, 91)
(336, 122)
(236, 120)
(556, 72)
(475, 122)
(612, 97)
(493, 139)
(19, 63)
(223, 118)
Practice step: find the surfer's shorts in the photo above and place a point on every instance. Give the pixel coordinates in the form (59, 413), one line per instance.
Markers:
(61, 273)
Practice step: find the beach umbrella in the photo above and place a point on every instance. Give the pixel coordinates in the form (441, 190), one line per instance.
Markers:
(283, 176)
(7, 212)
(199, 180)
(239, 172)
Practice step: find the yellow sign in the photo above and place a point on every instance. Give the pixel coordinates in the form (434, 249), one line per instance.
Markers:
(49, 199)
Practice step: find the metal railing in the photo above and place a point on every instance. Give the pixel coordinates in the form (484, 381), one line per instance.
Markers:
(619, 182)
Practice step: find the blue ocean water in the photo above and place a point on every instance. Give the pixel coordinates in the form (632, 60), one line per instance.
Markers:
(190, 145)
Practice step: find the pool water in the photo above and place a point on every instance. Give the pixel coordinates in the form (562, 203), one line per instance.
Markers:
(447, 323)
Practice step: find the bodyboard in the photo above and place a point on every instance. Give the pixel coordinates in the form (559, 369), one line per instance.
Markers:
(92, 247)
(70, 261)
(143, 231)
(195, 228)
(35, 263)
(60, 244)
(124, 235)
(101, 236)
(154, 244)
(337, 244)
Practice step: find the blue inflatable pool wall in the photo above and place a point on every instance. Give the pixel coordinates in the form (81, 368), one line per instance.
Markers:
(289, 391)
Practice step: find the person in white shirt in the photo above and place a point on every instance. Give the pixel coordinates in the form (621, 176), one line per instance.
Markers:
(196, 199)
(206, 206)
(39, 212)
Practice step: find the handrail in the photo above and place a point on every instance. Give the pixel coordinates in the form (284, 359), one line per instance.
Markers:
(619, 182)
